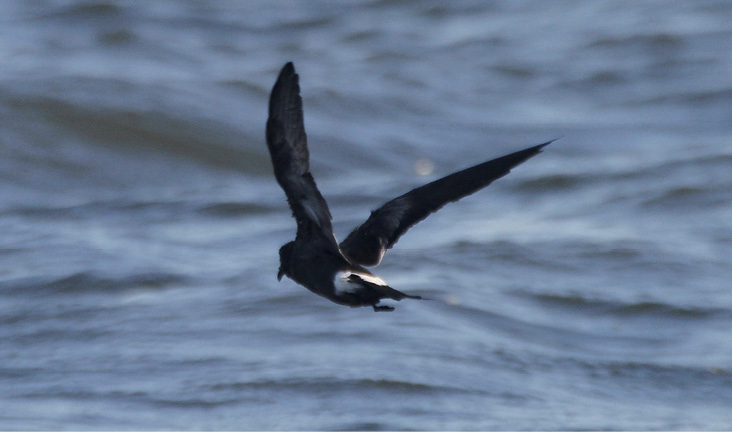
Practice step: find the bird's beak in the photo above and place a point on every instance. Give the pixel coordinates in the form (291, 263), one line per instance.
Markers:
(280, 273)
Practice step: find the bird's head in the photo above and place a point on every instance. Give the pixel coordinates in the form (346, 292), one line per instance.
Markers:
(285, 258)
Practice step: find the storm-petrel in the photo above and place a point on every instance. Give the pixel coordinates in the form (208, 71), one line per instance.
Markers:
(315, 259)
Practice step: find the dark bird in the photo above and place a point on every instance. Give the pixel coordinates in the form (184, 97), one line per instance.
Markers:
(315, 259)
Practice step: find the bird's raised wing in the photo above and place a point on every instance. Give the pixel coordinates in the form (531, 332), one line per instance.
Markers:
(367, 243)
(288, 147)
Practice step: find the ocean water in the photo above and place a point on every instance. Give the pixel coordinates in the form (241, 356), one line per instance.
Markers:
(591, 288)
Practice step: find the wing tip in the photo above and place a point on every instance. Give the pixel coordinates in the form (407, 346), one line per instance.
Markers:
(539, 147)
(286, 90)
(287, 70)
(287, 75)
(289, 66)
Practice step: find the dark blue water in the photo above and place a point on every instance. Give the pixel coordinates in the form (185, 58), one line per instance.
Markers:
(589, 289)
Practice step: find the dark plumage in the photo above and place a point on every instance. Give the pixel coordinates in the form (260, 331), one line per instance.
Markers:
(315, 259)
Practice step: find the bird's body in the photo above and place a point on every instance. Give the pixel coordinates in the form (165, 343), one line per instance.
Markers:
(315, 259)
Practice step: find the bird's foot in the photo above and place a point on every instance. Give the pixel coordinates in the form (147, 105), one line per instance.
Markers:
(382, 308)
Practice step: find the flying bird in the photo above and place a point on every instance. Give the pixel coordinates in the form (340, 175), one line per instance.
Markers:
(315, 259)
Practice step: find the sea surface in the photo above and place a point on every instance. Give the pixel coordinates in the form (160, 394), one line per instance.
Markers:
(591, 288)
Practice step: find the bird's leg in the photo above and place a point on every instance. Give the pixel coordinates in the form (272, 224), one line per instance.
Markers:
(382, 308)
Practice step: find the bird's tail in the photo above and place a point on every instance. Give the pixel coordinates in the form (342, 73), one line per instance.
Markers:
(376, 291)
(389, 292)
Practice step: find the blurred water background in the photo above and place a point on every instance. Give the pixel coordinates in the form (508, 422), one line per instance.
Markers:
(589, 289)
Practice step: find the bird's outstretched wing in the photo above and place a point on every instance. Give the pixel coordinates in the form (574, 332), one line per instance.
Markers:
(367, 243)
(288, 147)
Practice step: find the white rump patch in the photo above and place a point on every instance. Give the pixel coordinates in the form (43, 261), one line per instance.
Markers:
(342, 284)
